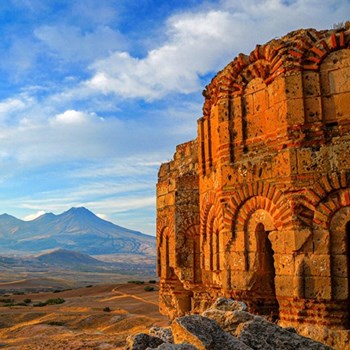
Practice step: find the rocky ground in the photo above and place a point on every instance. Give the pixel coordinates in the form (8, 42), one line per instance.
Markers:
(225, 326)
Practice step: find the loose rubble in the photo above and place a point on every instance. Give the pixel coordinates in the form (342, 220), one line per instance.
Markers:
(226, 325)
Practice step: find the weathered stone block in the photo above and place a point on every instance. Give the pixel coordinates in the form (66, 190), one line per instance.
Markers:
(284, 286)
(317, 287)
(204, 334)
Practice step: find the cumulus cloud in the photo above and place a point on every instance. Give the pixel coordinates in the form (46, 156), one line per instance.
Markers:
(192, 49)
(71, 117)
(202, 42)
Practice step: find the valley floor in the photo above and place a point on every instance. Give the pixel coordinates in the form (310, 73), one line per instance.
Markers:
(95, 317)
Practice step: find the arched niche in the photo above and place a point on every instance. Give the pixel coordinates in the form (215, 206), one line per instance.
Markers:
(340, 259)
(335, 86)
(166, 253)
(260, 261)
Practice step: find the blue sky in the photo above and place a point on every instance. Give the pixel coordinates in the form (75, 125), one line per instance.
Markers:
(96, 94)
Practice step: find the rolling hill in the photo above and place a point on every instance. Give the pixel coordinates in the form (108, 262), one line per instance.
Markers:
(77, 229)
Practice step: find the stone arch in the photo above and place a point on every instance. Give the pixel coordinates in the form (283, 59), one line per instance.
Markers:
(165, 248)
(304, 52)
(258, 195)
(188, 251)
(256, 235)
(163, 253)
(312, 57)
(210, 239)
(339, 231)
(335, 87)
(312, 210)
(211, 223)
(325, 210)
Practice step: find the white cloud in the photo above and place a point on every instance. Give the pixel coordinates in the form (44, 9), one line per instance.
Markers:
(195, 44)
(71, 117)
(202, 42)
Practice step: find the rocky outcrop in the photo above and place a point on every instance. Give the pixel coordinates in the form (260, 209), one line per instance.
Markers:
(204, 333)
(260, 334)
(224, 326)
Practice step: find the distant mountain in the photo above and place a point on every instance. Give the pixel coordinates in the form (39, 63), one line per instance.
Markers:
(62, 257)
(77, 229)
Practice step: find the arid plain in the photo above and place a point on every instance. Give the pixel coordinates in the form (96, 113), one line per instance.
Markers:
(96, 317)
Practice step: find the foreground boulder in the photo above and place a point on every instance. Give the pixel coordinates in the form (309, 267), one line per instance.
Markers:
(261, 334)
(226, 325)
(256, 331)
(229, 320)
(204, 334)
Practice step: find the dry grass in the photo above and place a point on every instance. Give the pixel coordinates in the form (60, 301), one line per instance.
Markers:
(80, 323)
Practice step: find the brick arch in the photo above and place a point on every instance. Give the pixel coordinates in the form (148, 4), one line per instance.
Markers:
(326, 209)
(313, 209)
(162, 225)
(165, 247)
(211, 209)
(300, 51)
(313, 56)
(211, 223)
(257, 196)
(187, 244)
(190, 226)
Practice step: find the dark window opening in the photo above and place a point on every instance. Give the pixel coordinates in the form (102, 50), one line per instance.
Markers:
(266, 273)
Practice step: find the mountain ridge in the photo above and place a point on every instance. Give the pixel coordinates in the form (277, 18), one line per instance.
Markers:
(77, 229)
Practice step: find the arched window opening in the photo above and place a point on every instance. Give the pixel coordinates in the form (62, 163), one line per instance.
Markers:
(265, 270)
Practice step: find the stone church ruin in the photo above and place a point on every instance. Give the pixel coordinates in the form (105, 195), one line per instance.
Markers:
(257, 208)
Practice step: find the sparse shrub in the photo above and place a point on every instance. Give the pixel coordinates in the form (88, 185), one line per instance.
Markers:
(27, 301)
(40, 304)
(89, 286)
(9, 304)
(18, 293)
(152, 281)
(7, 301)
(57, 291)
(149, 289)
(137, 282)
(107, 309)
(55, 301)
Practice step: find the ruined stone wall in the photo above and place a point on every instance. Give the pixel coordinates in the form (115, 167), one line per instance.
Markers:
(178, 228)
(271, 196)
